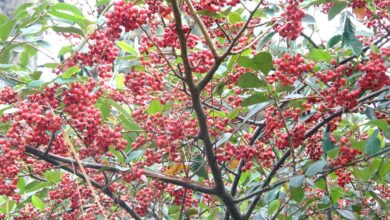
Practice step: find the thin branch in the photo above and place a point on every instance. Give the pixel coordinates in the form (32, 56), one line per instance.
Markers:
(106, 191)
(214, 68)
(203, 29)
(153, 175)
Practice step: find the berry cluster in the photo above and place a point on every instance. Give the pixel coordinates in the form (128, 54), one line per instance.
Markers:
(375, 76)
(292, 26)
(8, 95)
(289, 69)
(144, 198)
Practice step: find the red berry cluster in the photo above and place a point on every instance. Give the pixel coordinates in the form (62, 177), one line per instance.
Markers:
(79, 102)
(338, 92)
(135, 174)
(140, 83)
(293, 138)
(144, 197)
(258, 152)
(346, 155)
(292, 26)
(201, 61)
(314, 148)
(170, 38)
(156, 6)
(214, 5)
(180, 194)
(289, 69)
(8, 95)
(126, 16)
(375, 73)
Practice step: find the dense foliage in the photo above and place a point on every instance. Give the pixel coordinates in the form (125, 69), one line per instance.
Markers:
(195, 109)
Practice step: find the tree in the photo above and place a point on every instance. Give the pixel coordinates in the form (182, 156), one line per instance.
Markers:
(186, 109)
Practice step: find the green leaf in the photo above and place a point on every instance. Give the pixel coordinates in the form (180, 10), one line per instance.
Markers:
(21, 184)
(134, 155)
(154, 107)
(245, 62)
(373, 145)
(117, 154)
(327, 144)
(26, 55)
(255, 109)
(336, 193)
(316, 167)
(120, 81)
(33, 29)
(346, 214)
(234, 17)
(263, 62)
(250, 80)
(6, 29)
(69, 29)
(53, 176)
(273, 207)
(223, 139)
(334, 40)
(308, 19)
(38, 203)
(127, 47)
(319, 55)
(254, 99)
(199, 167)
(70, 72)
(297, 194)
(336, 9)
(105, 110)
(209, 14)
(125, 117)
(70, 13)
(265, 40)
(102, 2)
(349, 39)
(296, 181)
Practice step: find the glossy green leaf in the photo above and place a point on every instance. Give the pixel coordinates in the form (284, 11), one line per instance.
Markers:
(134, 155)
(273, 207)
(334, 40)
(53, 176)
(234, 17)
(154, 107)
(373, 144)
(120, 81)
(250, 80)
(297, 194)
(70, 29)
(336, 9)
(316, 167)
(127, 47)
(263, 62)
(254, 99)
(319, 55)
(70, 72)
(327, 144)
(346, 214)
(38, 203)
(296, 181)
(6, 29)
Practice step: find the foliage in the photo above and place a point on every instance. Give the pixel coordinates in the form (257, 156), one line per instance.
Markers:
(187, 109)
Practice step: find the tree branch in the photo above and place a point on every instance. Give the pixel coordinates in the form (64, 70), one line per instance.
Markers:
(203, 29)
(105, 190)
(202, 119)
(307, 135)
(214, 68)
(158, 176)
